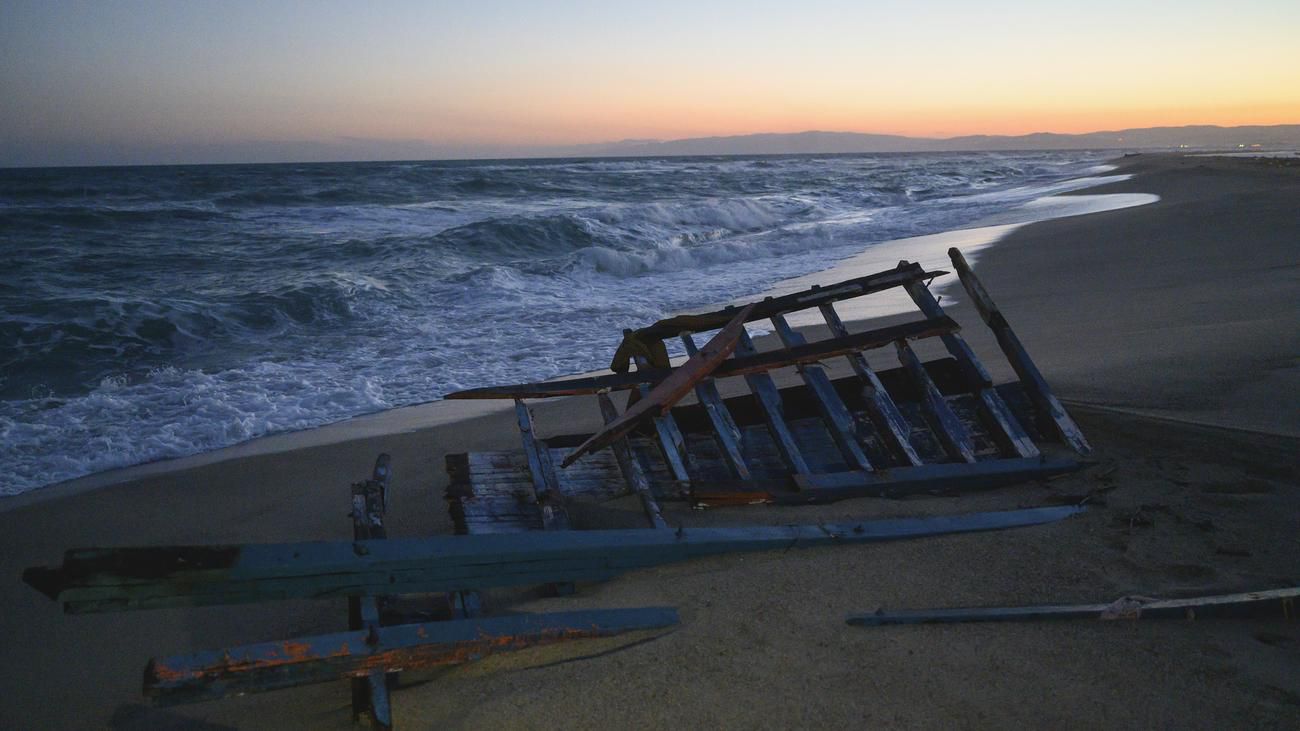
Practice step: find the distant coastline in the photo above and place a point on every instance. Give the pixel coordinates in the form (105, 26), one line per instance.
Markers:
(1194, 138)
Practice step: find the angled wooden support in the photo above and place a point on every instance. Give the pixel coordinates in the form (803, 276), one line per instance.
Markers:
(671, 441)
(633, 475)
(894, 429)
(1283, 604)
(545, 485)
(769, 398)
(756, 363)
(725, 430)
(1003, 425)
(119, 579)
(671, 389)
(838, 418)
(1053, 415)
(369, 502)
(951, 432)
(274, 665)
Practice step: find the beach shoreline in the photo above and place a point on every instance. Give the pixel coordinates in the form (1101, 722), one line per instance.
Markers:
(1143, 309)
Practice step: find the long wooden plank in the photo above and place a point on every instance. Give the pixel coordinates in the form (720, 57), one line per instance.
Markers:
(1003, 425)
(670, 390)
(894, 429)
(813, 297)
(633, 475)
(948, 428)
(545, 485)
(768, 397)
(274, 665)
(725, 430)
(110, 579)
(1269, 604)
(839, 420)
(1052, 413)
(757, 363)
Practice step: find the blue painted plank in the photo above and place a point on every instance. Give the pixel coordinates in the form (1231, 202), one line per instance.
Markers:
(545, 486)
(135, 578)
(769, 398)
(1272, 604)
(890, 423)
(724, 427)
(633, 474)
(839, 421)
(949, 429)
(1051, 412)
(671, 442)
(1003, 425)
(275, 665)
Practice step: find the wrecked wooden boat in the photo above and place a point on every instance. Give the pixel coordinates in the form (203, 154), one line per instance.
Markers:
(923, 427)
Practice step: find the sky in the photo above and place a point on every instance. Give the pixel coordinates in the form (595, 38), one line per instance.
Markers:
(187, 80)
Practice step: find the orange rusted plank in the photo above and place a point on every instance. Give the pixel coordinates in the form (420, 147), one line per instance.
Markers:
(274, 665)
(670, 390)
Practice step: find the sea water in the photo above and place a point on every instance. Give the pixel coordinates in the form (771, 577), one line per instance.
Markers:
(154, 312)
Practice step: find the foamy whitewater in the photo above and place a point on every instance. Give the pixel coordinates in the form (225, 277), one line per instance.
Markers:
(148, 313)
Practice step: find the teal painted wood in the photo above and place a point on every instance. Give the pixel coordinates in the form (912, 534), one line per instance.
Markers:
(769, 399)
(757, 363)
(839, 420)
(671, 442)
(137, 578)
(1003, 425)
(275, 665)
(894, 429)
(724, 427)
(949, 429)
(633, 475)
(369, 505)
(545, 486)
(1270, 604)
(1052, 414)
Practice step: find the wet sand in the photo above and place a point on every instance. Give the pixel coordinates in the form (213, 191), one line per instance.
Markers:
(1145, 319)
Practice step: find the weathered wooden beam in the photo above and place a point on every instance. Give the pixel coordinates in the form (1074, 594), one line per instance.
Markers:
(671, 441)
(768, 397)
(1003, 425)
(839, 420)
(757, 363)
(1270, 604)
(725, 430)
(812, 297)
(670, 390)
(948, 428)
(546, 487)
(1051, 412)
(633, 475)
(893, 428)
(896, 482)
(274, 665)
(369, 504)
(109, 579)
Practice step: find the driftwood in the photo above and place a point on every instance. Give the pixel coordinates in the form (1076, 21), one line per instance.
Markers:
(1274, 603)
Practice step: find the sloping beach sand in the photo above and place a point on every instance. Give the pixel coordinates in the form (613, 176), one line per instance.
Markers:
(1173, 331)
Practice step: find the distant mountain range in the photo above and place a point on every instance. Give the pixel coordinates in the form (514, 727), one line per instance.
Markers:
(17, 153)
(1199, 137)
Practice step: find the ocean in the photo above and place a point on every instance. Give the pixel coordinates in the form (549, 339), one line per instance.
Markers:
(155, 312)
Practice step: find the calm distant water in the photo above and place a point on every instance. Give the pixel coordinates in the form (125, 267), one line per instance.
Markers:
(156, 312)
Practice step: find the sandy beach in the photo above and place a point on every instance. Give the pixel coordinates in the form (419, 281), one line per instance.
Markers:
(1171, 330)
